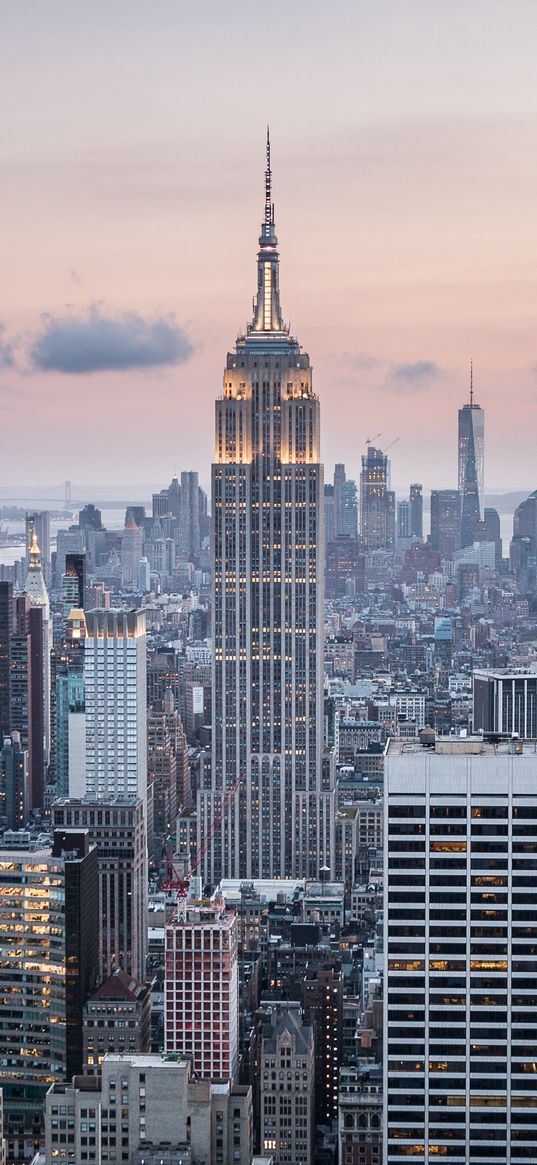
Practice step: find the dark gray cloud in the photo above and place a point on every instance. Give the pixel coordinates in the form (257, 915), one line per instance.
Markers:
(414, 376)
(100, 342)
(7, 350)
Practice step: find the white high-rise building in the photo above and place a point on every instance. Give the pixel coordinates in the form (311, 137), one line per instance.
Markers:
(115, 702)
(460, 996)
(201, 990)
(267, 494)
(38, 594)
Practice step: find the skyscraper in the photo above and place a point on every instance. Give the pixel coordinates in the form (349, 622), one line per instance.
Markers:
(345, 504)
(117, 828)
(6, 632)
(416, 510)
(471, 466)
(21, 717)
(50, 900)
(115, 703)
(132, 542)
(445, 521)
(14, 800)
(267, 491)
(460, 893)
(37, 591)
(202, 990)
(377, 502)
(70, 710)
(189, 534)
(403, 520)
(287, 1069)
(74, 583)
(38, 523)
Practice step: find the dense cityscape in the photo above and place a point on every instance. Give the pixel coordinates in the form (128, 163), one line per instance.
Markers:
(268, 804)
(268, 583)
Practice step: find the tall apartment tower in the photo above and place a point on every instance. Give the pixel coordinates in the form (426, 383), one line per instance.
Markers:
(416, 510)
(74, 583)
(267, 494)
(471, 448)
(460, 1021)
(117, 828)
(189, 535)
(14, 784)
(132, 548)
(38, 594)
(6, 632)
(202, 990)
(377, 502)
(115, 704)
(70, 710)
(445, 521)
(345, 504)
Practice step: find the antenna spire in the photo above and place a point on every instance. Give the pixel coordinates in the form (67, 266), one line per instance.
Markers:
(269, 213)
(267, 310)
(471, 382)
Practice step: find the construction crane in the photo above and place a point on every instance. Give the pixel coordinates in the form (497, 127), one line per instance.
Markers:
(370, 440)
(394, 442)
(180, 885)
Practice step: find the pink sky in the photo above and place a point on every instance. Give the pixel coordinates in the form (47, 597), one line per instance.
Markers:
(405, 183)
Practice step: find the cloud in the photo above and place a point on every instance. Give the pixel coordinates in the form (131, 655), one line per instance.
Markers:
(7, 350)
(414, 376)
(100, 342)
(359, 361)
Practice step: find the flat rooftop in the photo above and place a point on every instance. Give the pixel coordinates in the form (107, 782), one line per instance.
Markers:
(463, 746)
(507, 673)
(267, 889)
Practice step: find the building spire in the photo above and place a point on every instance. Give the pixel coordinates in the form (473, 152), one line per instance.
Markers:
(269, 209)
(471, 382)
(35, 555)
(267, 310)
(35, 583)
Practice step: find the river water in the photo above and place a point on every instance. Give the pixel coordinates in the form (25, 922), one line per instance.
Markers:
(114, 519)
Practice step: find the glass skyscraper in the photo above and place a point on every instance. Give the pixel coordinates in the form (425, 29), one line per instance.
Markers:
(471, 467)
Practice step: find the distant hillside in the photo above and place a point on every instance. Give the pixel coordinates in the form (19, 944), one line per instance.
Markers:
(507, 503)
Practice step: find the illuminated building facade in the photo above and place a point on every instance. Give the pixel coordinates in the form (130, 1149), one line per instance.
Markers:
(267, 495)
(48, 964)
(460, 1015)
(38, 523)
(202, 990)
(14, 782)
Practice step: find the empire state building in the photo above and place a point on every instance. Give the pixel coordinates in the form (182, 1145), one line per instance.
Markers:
(267, 491)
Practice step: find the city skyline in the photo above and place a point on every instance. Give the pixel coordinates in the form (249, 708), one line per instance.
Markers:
(135, 225)
(268, 718)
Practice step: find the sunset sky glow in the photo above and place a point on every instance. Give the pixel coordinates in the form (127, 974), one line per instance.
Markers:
(405, 184)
